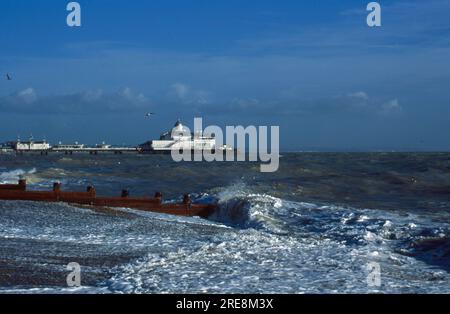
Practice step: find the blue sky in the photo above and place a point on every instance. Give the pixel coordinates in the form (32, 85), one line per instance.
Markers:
(312, 67)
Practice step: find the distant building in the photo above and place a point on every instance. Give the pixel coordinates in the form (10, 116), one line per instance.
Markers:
(75, 146)
(179, 138)
(6, 147)
(103, 145)
(31, 145)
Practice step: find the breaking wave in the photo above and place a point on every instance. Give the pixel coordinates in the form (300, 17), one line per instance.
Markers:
(254, 243)
(12, 176)
(276, 245)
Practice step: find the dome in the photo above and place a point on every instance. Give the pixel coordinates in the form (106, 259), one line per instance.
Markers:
(178, 123)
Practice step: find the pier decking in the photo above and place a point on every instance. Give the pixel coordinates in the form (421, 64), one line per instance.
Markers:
(94, 150)
(70, 151)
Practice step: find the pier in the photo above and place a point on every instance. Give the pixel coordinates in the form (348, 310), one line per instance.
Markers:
(44, 148)
(85, 150)
(93, 150)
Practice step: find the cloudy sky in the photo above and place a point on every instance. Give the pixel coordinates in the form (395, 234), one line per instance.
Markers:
(312, 67)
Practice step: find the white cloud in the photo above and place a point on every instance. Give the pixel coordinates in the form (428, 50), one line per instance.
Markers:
(186, 95)
(28, 95)
(91, 96)
(86, 102)
(181, 90)
(392, 106)
(128, 94)
(359, 95)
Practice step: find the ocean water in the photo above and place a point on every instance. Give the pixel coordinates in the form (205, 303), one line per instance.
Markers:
(314, 226)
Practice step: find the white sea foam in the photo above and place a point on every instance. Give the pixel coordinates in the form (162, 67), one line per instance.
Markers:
(253, 260)
(12, 176)
(256, 243)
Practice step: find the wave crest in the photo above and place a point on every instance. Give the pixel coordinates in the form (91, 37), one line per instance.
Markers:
(12, 176)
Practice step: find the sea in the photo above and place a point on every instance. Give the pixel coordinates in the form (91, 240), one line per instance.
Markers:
(323, 223)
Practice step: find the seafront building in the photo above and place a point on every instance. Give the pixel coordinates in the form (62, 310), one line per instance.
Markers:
(179, 138)
(30, 145)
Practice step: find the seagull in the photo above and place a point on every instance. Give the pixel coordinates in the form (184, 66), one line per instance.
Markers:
(149, 114)
(8, 77)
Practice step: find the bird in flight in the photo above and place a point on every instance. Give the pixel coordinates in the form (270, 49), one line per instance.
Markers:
(8, 77)
(149, 114)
